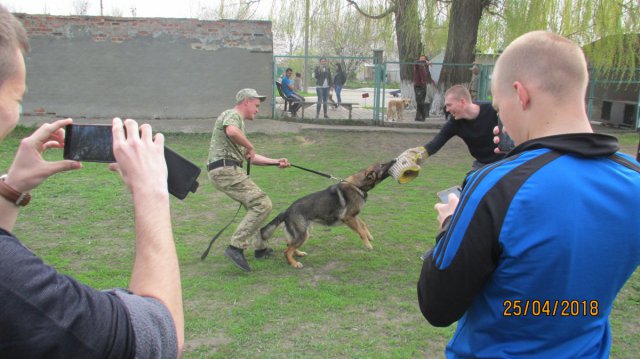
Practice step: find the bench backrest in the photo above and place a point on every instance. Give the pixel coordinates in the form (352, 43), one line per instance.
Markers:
(280, 90)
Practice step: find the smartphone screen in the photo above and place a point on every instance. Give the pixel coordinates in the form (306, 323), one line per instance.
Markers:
(444, 194)
(88, 143)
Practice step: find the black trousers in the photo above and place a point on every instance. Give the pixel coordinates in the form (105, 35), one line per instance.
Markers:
(421, 93)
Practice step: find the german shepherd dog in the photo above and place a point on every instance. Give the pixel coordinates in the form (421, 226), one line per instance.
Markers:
(341, 202)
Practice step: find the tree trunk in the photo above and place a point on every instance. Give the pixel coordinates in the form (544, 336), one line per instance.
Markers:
(409, 42)
(461, 42)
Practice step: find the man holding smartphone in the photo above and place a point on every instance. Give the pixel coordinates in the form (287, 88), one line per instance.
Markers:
(228, 149)
(48, 315)
(531, 257)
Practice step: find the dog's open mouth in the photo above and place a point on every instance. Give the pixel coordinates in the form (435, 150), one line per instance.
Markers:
(385, 169)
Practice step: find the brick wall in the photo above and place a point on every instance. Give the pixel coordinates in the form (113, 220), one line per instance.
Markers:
(88, 66)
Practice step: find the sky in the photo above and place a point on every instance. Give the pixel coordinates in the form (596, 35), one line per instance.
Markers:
(143, 8)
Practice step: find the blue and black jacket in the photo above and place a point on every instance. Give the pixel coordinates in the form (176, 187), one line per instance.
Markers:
(533, 257)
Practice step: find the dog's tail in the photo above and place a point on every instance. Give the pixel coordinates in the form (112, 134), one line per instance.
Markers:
(267, 231)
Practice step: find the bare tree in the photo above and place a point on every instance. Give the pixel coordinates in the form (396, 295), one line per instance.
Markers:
(230, 9)
(117, 12)
(80, 7)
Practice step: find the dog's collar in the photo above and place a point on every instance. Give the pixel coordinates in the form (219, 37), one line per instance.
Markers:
(362, 193)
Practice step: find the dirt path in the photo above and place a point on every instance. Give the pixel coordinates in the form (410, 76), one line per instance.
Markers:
(262, 125)
(259, 125)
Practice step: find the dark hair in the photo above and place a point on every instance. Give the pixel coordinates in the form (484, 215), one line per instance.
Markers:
(338, 66)
(298, 74)
(288, 69)
(12, 37)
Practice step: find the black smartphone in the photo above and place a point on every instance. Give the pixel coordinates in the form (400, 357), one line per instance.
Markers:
(88, 143)
(444, 194)
(94, 143)
(506, 143)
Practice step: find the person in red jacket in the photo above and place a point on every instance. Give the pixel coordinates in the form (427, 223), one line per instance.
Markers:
(421, 77)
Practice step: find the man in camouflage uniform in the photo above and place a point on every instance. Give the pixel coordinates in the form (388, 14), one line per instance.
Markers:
(228, 149)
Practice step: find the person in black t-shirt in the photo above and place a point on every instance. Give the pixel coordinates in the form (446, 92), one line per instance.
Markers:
(472, 122)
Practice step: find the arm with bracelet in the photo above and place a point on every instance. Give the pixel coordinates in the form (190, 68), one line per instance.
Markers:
(29, 170)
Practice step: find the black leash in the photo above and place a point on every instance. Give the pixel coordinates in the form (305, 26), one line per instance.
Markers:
(206, 252)
(318, 173)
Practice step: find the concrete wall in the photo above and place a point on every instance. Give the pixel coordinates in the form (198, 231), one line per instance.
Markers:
(84, 66)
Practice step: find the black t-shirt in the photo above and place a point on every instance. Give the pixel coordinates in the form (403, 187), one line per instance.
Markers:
(477, 134)
(44, 314)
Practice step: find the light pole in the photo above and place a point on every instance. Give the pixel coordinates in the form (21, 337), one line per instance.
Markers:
(306, 43)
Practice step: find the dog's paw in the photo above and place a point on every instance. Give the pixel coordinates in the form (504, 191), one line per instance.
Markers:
(300, 253)
(297, 265)
(369, 246)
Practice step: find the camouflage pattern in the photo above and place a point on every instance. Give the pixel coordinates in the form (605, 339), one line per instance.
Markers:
(221, 146)
(233, 182)
(248, 93)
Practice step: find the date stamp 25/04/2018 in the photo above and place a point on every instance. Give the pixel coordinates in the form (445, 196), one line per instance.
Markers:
(549, 308)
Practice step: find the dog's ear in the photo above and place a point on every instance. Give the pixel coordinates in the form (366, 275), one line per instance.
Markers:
(372, 175)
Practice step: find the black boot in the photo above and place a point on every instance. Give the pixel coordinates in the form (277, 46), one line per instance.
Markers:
(237, 256)
(263, 253)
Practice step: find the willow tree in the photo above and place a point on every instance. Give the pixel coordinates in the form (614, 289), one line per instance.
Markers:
(290, 29)
(607, 29)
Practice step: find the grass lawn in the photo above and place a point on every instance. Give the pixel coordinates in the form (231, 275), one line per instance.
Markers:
(346, 302)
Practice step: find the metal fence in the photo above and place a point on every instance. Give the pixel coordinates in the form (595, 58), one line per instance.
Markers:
(612, 97)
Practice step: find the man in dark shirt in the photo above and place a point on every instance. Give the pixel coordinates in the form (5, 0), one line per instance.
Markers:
(420, 78)
(553, 225)
(45, 314)
(472, 122)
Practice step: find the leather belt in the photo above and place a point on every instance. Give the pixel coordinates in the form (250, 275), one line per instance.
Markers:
(225, 162)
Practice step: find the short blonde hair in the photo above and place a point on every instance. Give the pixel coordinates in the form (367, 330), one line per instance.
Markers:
(545, 60)
(460, 92)
(12, 37)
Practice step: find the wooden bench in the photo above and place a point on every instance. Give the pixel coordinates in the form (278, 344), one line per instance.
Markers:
(346, 105)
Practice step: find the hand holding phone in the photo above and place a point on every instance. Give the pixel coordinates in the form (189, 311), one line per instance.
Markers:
(505, 143)
(444, 194)
(94, 143)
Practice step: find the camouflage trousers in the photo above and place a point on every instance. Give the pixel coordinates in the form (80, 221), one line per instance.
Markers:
(233, 182)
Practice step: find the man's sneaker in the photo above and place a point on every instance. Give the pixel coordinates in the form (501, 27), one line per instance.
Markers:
(237, 256)
(263, 253)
